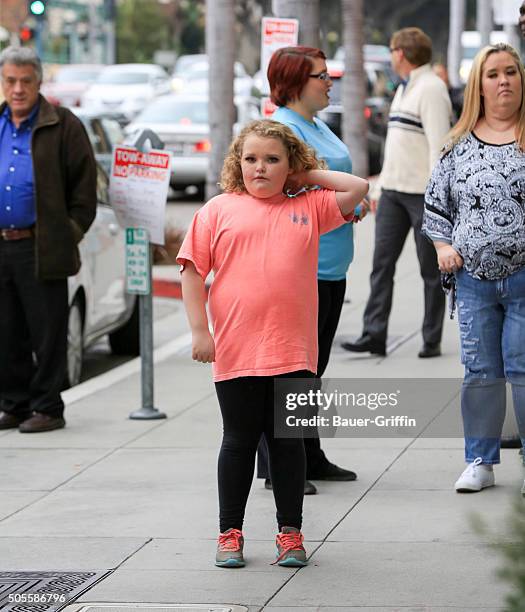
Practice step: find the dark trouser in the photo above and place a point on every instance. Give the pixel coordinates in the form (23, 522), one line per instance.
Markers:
(331, 298)
(396, 213)
(33, 334)
(247, 412)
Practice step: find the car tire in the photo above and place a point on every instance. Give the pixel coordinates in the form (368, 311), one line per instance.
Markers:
(126, 339)
(75, 343)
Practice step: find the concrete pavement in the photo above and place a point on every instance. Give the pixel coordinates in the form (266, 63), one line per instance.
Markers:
(139, 498)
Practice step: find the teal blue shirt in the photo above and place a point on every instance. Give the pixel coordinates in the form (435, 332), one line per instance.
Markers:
(336, 249)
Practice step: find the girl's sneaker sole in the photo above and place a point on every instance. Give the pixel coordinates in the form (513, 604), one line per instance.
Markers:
(292, 562)
(230, 563)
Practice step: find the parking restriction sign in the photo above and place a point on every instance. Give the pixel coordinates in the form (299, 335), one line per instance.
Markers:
(137, 261)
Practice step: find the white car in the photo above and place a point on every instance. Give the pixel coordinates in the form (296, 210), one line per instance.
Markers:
(98, 302)
(191, 74)
(126, 89)
(181, 122)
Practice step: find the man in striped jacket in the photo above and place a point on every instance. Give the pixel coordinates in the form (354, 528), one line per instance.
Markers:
(419, 120)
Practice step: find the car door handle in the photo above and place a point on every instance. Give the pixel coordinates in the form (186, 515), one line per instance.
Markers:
(113, 229)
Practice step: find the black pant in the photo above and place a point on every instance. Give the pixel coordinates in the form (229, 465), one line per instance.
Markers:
(247, 409)
(33, 334)
(331, 298)
(396, 214)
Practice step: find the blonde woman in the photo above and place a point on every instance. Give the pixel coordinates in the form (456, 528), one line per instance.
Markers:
(475, 215)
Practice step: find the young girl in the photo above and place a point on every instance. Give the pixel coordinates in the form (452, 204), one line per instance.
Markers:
(262, 247)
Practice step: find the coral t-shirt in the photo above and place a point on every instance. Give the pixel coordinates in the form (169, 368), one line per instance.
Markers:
(263, 298)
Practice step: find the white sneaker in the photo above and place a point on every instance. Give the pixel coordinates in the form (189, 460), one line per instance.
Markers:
(474, 478)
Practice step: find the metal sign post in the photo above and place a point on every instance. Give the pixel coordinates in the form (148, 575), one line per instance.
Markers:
(139, 258)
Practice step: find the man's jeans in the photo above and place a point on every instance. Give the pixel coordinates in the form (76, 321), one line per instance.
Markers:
(492, 330)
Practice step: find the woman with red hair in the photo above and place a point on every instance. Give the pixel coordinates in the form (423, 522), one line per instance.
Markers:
(300, 86)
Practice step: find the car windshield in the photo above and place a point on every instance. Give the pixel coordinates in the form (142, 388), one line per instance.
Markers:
(169, 110)
(123, 78)
(70, 75)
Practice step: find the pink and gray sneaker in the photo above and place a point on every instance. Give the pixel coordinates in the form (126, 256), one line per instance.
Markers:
(229, 549)
(290, 549)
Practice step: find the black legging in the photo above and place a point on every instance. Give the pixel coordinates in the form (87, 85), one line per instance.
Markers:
(247, 412)
(331, 298)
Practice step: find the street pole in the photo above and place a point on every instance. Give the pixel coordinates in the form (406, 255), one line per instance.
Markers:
(220, 48)
(148, 411)
(111, 51)
(484, 20)
(92, 32)
(39, 43)
(456, 27)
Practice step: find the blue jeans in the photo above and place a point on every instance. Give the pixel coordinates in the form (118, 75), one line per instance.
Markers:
(492, 330)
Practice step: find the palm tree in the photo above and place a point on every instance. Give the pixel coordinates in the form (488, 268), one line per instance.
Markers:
(354, 86)
(307, 11)
(220, 47)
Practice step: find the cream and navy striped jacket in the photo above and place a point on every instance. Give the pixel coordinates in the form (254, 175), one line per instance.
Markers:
(420, 117)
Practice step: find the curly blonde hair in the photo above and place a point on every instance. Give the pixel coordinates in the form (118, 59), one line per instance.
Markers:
(301, 157)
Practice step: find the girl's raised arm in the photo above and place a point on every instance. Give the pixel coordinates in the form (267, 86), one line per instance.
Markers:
(350, 189)
(194, 297)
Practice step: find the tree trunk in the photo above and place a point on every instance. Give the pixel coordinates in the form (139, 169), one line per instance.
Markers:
(220, 47)
(484, 20)
(354, 86)
(456, 26)
(307, 11)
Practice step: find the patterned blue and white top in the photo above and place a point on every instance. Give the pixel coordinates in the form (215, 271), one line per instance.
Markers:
(475, 201)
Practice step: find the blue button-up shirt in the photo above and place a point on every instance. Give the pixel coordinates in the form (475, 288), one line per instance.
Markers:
(17, 193)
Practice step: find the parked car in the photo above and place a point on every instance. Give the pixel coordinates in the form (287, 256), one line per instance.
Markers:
(126, 89)
(190, 76)
(98, 302)
(69, 83)
(104, 131)
(376, 110)
(181, 122)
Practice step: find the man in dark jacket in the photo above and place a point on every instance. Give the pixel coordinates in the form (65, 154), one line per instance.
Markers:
(47, 202)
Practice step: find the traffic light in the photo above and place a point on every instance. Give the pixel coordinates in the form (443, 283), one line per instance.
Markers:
(26, 34)
(37, 7)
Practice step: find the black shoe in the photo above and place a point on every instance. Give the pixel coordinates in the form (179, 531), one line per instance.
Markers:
(309, 487)
(511, 442)
(430, 350)
(41, 422)
(330, 471)
(11, 421)
(366, 344)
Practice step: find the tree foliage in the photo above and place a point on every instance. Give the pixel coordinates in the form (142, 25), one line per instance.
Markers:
(141, 30)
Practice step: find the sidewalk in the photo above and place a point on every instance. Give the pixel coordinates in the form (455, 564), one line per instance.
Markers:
(139, 498)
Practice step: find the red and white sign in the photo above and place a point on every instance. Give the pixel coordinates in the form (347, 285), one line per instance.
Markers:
(138, 189)
(276, 33)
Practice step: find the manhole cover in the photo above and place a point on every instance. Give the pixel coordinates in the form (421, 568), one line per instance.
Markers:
(126, 607)
(43, 591)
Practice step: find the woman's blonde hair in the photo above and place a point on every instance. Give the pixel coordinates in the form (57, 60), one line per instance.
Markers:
(473, 103)
(300, 156)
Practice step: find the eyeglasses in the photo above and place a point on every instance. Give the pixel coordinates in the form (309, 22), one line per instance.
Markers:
(392, 49)
(322, 76)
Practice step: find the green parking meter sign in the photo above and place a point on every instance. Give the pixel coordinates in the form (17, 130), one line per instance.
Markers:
(137, 261)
